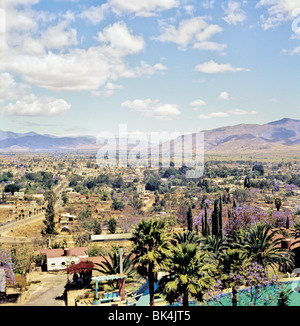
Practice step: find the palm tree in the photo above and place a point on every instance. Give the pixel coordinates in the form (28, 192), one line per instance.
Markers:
(213, 244)
(186, 237)
(150, 248)
(188, 274)
(230, 263)
(111, 264)
(296, 230)
(261, 246)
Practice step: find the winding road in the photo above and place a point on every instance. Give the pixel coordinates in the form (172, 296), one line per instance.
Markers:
(7, 227)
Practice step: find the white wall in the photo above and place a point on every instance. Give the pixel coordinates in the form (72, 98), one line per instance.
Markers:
(58, 263)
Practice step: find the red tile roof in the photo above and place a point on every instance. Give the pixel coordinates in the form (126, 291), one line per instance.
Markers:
(59, 252)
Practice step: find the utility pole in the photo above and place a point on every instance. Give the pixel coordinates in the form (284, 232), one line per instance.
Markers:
(121, 251)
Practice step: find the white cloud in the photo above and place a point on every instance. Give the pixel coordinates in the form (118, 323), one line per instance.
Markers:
(2, 21)
(223, 96)
(208, 4)
(221, 114)
(143, 8)
(210, 46)
(198, 102)
(57, 37)
(12, 3)
(110, 88)
(9, 89)
(211, 67)
(23, 103)
(20, 20)
(195, 31)
(25, 20)
(189, 9)
(146, 69)
(30, 105)
(120, 38)
(296, 51)
(80, 69)
(95, 14)
(153, 108)
(241, 112)
(278, 11)
(234, 13)
(217, 114)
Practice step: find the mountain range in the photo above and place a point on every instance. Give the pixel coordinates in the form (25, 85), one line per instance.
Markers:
(281, 136)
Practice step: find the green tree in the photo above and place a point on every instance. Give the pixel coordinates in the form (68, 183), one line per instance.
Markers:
(284, 297)
(111, 264)
(11, 188)
(85, 214)
(247, 182)
(187, 274)
(189, 217)
(260, 245)
(205, 225)
(186, 237)
(287, 223)
(259, 169)
(118, 182)
(234, 204)
(230, 264)
(278, 203)
(150, 248)
(93, 225)
(220, 234)
(49, 220)
(112, 225)
(21, 257)
(215, 219)
(136, 202)
(213, 245)
(153, 184)
(64, 198)
(117, 205)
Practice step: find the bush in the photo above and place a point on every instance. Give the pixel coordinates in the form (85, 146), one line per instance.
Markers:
(153, 184)
(242, 195)
(117, 205)
(112, 225)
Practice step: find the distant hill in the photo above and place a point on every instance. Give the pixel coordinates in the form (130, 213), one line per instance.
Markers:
(275, 137)
(28, 142)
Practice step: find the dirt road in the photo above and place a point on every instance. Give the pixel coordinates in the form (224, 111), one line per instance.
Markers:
(48, 292)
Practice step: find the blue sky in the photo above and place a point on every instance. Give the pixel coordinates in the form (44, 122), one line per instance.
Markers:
(82, 67)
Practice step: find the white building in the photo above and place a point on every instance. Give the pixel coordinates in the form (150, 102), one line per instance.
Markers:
(58, 259)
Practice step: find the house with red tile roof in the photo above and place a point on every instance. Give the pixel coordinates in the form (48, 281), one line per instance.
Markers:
(59, 259)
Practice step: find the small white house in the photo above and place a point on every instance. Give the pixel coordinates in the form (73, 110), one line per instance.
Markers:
(67, 217)
(58, 259)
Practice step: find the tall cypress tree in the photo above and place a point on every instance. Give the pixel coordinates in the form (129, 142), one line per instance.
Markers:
(221, 218)
(215, 219)
(229, 215)
(49, 215)
(189, 216)
(207, 229)
(287, 222)
(234, 203)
